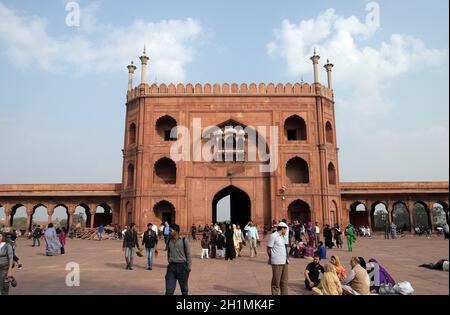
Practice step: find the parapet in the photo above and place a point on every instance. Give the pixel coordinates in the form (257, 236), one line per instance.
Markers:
(262, 89)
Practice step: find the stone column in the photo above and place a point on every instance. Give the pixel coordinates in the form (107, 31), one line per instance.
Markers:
(50, 212)
(410, 205)
(71, 214)
(29, 214)
(329, 67)
(7, 214)
(430, 205)
(92, 210)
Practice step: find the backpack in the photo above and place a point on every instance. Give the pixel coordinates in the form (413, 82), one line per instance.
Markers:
(205, 243)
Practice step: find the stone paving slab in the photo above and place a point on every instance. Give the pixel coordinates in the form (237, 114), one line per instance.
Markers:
(102, 269)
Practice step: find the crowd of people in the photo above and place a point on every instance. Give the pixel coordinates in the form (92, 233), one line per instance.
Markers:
(329, 279)
(227, 241)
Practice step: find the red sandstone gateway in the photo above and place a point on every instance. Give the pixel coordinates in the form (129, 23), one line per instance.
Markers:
(304, 186)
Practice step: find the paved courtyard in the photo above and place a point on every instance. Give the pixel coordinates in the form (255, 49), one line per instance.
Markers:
(102, 269)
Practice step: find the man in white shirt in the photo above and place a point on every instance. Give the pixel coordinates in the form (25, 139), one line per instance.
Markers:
(276, 250)
(155, 228)
(317, 231)
(253, 238)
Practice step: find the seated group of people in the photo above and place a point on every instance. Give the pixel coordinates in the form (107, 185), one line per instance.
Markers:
(332, 278)
(301, 249)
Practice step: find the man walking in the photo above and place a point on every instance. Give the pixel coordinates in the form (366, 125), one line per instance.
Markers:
(166, 234)
(37, 233)
(180, 262)
(130, 243)
(276, 250)
(100, 231)
(150, 240)
(253, 238)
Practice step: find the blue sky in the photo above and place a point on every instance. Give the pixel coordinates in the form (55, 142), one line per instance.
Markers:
(63, 88)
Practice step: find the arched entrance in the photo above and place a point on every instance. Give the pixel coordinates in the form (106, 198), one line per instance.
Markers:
(231, 205)
(103, 215)
(400, 216)
(39, 216)
(440, 214)
(60, 217)
(165, 211)
(420, 216)
(2, 216)
(82, 216)
(359, 215)
(380, 216)
(299, 211)
(18, 219)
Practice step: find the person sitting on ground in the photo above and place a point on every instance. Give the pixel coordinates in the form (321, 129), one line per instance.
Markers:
(340, 270)
(312, 273)
(357, 281)
(309, 250)
(437, 266)
(205, 246)
(321, 251)
(330, 283)
(381, 276)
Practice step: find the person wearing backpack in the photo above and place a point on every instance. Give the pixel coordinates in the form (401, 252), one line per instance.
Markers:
(180, 262)
(150, 240)
(37, 233)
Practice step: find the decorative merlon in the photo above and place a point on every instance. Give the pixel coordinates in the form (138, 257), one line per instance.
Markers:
(226, 89)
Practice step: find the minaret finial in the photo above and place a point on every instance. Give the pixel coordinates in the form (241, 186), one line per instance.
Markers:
(131, 68)
(144, 62)
(329, 67)
(315, 59)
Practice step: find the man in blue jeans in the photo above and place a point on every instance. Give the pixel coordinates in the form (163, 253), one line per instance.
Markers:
(150, 240)
(180, 262)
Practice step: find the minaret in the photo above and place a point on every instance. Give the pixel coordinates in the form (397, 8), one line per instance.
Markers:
(329, 66)
(131, 68)
(144, 61)
(315, 59)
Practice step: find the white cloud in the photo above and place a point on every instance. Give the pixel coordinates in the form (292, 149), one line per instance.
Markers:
(96, 48)
(362, 71)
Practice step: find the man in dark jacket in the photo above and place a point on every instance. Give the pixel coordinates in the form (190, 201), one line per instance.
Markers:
(150, 241)
(37, 233)
(130, 243)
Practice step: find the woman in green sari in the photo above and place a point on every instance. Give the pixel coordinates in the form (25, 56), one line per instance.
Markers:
(351, 236)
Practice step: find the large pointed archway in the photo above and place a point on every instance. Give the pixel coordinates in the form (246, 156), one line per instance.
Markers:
(232, 205)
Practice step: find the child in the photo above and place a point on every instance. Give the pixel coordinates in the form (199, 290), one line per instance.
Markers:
(205, 246)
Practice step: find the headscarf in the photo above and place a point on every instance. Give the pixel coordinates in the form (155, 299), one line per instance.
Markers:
(329, 284)
(340, 270)
(385, 277)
